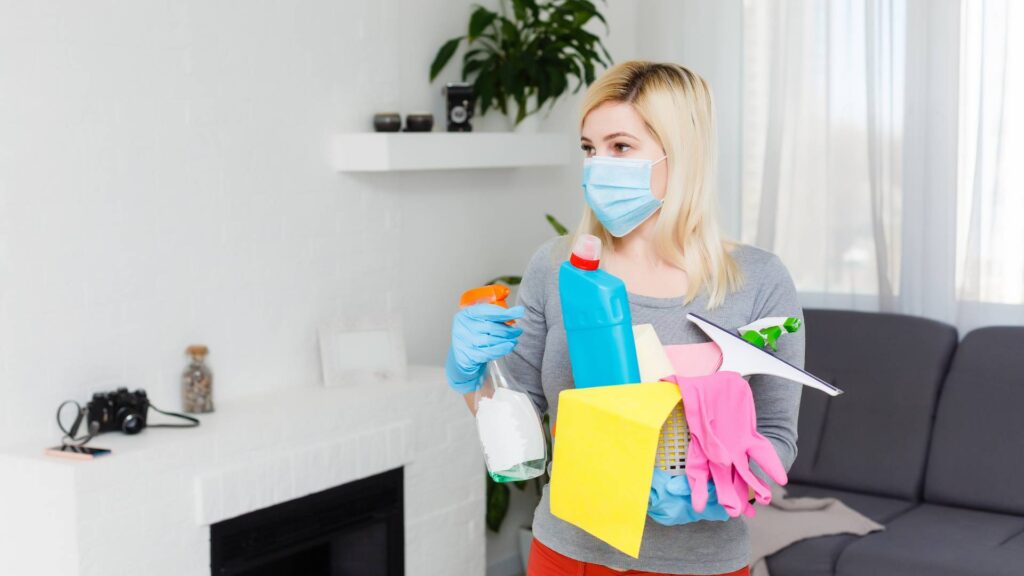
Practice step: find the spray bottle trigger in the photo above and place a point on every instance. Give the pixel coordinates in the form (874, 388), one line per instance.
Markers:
(490, 294)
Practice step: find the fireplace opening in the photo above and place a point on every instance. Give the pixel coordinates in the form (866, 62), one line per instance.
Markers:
(355, 528)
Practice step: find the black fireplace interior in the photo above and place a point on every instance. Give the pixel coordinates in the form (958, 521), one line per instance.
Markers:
(352, 529)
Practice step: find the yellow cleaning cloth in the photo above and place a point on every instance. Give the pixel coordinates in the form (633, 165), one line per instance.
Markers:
(603, 458)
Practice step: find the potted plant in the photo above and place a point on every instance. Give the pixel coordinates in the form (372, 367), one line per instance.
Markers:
(526, 54)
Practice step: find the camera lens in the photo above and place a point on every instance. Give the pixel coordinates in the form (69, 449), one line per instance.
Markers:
(132, 424)
(130, 421)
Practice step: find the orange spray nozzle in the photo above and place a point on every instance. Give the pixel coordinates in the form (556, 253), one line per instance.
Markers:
(490, 294)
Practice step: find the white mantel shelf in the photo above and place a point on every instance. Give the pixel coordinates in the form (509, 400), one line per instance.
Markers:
(400, 151)
(147, 508)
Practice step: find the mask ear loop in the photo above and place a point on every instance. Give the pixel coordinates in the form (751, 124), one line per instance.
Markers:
(662, 200)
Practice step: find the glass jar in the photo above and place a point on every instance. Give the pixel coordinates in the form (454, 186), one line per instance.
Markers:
(197, 382)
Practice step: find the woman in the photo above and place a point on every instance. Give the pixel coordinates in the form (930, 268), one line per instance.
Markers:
(662, 239)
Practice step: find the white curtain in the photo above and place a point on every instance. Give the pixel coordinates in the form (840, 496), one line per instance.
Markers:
(854, 156)
(990, 239)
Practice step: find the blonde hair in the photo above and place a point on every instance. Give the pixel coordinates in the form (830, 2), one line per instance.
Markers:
(676, 106)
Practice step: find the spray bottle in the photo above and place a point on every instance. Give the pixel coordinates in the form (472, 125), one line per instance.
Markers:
(598, 324)
(511, 431)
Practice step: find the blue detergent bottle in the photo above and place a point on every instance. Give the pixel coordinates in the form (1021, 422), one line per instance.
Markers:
(598, 325)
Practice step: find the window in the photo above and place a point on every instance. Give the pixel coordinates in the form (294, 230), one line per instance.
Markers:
(823, 151)
(822, 132)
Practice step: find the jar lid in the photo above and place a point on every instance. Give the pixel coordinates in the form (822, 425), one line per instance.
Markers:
(197, 350)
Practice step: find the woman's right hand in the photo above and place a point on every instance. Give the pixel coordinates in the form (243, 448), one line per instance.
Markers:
(670, 501)
(479, 335)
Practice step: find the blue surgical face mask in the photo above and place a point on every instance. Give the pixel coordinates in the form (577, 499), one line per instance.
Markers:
(618, 190)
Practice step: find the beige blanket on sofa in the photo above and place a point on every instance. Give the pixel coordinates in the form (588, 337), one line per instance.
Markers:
(789, 520)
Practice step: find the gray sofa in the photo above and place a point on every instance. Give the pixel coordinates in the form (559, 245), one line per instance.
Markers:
(928, 440)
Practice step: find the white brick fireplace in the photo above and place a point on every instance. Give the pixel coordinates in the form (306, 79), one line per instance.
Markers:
(147, 508)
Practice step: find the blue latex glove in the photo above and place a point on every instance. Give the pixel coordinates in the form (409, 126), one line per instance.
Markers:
(670, 504)
(479, 335)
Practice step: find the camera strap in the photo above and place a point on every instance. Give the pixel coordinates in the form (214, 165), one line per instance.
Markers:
(70, 435)
(193, 422)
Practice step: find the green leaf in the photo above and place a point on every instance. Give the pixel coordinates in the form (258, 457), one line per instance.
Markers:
(443, 56)
(519, 9)
(509, 280)
(608, 57)
(471, 54)
(542, 89)
(577, 71)
(521, 112)
(532, 6)
(510, 39)
(497, 504)
(588, 70)
(556, 80)
(479, 21)
(559, 228)
(560, 85)
(471, 66)
(484, 88)
(508, 78)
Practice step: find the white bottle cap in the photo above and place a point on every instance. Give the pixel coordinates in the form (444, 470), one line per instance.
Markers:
(587, 252)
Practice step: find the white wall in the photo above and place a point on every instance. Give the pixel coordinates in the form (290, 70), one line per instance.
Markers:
(707, 37)
(163, 181)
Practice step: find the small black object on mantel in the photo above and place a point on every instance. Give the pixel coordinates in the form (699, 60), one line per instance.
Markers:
(387, 122)
(419, 122)
(459, 104)
(119, 410)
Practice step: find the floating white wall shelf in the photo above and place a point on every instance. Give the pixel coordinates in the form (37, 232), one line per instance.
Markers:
(391, 151)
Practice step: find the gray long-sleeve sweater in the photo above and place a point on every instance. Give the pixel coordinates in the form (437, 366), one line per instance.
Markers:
(540, 367)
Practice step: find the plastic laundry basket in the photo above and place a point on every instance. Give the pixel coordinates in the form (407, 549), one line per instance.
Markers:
(673, 442)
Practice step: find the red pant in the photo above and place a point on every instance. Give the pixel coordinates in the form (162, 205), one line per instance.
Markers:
(546, 562)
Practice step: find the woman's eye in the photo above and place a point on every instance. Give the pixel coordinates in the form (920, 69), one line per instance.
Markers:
(622, 148)
(587, 149)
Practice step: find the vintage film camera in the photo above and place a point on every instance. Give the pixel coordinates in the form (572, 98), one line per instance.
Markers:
(460, 102)
(118, 410)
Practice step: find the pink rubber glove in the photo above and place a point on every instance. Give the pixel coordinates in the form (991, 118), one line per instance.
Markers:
(724, 438)
(733, 491)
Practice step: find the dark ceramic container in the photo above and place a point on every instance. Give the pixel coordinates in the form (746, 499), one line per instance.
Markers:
(387, 122)
(419, 122)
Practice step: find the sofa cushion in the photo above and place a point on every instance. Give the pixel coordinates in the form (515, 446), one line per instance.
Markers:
(977, 452)
(817, 556)
(939, 541)
(873, 438)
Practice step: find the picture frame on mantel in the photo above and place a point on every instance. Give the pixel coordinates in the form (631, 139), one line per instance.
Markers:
(359, 349)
